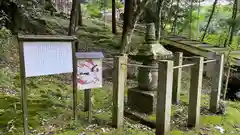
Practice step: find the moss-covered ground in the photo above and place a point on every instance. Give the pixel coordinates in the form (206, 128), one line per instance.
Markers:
(50, 98)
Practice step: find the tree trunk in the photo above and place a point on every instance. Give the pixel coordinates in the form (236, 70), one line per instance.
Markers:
(190, 21)
(209, 20)
(173, 30)
(126, 24)
(114, 27)
(158, 20)
(56, 5)
(130, 20)
(80, 20)
(226, 83)
(169, 14)
(234, 15)
(230, 27)
(198, 27)
(77, 16)
(71, 27)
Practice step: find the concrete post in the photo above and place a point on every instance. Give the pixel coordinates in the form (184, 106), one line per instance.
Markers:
(164, 97)
(217, 83)
(119, 79)
(177, 76)
(210, 66)
(195, 92)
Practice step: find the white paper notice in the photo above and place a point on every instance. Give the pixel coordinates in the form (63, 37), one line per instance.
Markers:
(89, 73)
(45, 58)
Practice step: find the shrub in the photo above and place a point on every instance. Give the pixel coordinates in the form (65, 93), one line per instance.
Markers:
(93, 11)
(5, 35)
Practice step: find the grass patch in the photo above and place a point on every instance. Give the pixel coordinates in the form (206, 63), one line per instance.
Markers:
(208, 122)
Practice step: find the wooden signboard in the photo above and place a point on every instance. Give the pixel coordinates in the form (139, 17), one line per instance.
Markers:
(89, 70)
(89, 76)
(45, 55)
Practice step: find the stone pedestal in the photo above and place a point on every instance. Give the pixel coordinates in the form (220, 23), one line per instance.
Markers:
(142, 101)
(143, 98)
(147, 77)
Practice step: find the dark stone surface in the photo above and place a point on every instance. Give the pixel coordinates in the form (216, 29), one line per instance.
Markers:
(142, 101)
(237, 95)
(139, 118)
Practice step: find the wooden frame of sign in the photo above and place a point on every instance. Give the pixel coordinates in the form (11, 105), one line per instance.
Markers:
(33, 43)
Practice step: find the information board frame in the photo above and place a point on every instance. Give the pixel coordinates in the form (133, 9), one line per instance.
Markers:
(44, 38)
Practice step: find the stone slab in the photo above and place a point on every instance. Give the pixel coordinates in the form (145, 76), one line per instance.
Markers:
(142, 101)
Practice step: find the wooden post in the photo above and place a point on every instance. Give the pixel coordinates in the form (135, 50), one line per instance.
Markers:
(88, 103)
(210, 66)
(74, 81)
(119, 79)
(177, 76)
(195, 92)
(216, 83)
(164, 97)
(23, 88)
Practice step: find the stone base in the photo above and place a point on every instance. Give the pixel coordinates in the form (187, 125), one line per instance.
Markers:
(142, 101)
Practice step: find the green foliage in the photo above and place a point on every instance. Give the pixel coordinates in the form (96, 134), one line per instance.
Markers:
(5, 36)
(219, 24)
(93, 11)
(4, 33)
(119, 4)
(95, 8)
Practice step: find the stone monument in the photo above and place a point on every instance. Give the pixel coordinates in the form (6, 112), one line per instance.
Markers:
(143, 97)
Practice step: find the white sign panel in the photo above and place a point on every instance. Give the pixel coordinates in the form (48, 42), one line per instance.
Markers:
(45, 58)
(89, 73)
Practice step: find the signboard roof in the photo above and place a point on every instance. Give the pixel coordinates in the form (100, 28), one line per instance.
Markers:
(93, 55)
(46, 38)
(83, 1)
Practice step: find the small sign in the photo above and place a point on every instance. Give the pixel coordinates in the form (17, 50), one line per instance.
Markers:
(45, 58)
(89, 70)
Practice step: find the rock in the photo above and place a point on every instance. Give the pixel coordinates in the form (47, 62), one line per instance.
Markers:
(222, 108)
(237, 95)
(221, 130)
(233, 85)
(62, 15)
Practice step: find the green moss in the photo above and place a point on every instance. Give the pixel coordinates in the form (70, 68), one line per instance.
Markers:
(151, 117)
(204, 99)
(176, 132)
(106, 116)
(212, 120)
(103, 118)
(231, 118)
(102, 98)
